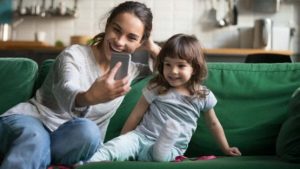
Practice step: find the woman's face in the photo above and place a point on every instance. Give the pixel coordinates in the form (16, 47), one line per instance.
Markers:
(123, 34)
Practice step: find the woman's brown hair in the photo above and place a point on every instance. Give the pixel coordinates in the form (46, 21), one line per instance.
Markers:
(138, 9)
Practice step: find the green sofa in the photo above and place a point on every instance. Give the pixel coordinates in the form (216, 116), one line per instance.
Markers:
(253, 105)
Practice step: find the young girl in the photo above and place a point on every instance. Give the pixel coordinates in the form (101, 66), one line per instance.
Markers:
(165, 117)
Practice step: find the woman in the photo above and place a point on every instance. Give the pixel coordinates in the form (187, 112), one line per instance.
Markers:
(65, 122)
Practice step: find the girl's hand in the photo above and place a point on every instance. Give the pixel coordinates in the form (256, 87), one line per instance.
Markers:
(233, 151)
(104, 89)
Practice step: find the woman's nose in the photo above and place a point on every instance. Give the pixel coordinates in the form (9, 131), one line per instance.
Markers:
(121, 41)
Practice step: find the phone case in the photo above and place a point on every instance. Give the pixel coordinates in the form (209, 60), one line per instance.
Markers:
(125, 58)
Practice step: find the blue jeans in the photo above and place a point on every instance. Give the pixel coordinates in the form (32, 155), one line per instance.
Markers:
(25, 143)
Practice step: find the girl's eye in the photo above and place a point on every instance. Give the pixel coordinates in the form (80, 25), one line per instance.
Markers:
(182, 66)
(167, 64)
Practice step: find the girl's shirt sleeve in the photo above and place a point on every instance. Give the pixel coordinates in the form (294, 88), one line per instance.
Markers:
(209, 102)
(149, 95)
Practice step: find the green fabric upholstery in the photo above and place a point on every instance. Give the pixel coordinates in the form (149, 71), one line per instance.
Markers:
(43, 71)
(18, 76)
(243, 162)
(252, 105)
(288, 141)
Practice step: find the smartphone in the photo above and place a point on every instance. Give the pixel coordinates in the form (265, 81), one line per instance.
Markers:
(125, 59)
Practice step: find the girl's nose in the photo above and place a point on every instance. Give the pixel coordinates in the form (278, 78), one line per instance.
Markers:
(174, 70)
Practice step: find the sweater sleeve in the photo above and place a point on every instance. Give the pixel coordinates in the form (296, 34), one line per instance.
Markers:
(66, 81)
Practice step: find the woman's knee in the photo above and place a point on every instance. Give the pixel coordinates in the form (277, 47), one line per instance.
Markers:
(27, 127)
(81, 130)
(87, 130)
(85, 137)
(26, 134)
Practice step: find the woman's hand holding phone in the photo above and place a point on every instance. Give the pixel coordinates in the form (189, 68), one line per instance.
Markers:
(105, 88)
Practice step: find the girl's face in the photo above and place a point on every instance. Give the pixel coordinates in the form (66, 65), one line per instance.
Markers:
(123, 34)
(177, 72)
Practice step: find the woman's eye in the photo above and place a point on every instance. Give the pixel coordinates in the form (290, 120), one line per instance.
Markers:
(117, 30)
(132, 38)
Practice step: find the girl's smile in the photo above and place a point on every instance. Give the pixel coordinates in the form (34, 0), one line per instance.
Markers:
(177, 71)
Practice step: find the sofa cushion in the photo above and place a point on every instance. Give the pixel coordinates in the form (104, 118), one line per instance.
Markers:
(44, 68)
(18, 76)
(242, 162)
(252, 105)
(288, 141)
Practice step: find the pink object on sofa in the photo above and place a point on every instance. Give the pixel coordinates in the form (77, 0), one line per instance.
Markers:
(182, 158)
(209, 157)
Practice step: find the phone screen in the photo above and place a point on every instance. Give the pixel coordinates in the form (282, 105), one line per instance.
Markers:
(125, 59)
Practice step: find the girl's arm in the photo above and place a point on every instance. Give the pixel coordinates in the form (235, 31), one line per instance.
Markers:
(218, 132)
(136, 115)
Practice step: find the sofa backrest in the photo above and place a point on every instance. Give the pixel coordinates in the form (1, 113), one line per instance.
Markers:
(18, 77)
(44, 68)
(252, 104)
(252, 101)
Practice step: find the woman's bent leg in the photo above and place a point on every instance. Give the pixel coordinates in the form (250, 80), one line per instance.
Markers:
(25, 143)
(74, 141)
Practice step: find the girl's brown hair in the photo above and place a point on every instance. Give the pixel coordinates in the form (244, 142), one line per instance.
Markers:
(138, 9)
(186, 47)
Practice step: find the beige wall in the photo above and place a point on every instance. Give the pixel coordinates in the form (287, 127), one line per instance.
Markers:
(170, 17)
